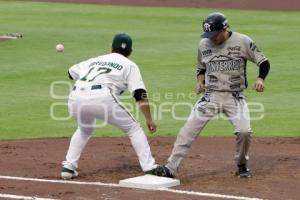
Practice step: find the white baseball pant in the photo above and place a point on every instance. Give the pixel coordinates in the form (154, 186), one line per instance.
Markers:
(86, 105)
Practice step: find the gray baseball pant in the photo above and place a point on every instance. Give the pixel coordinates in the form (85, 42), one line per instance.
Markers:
(234, 106)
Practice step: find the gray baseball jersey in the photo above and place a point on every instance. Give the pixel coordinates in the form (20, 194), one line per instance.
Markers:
(225, 64)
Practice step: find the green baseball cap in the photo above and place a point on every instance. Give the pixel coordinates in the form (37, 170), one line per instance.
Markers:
(122, 41)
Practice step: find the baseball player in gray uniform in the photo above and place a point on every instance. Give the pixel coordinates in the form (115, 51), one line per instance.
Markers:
(221, 75)
(99, 81)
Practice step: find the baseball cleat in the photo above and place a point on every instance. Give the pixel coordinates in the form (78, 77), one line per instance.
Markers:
(162, 171)
(243, 171)
(67, 174)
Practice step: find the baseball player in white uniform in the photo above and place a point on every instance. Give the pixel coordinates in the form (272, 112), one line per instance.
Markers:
(221, 75)
(99, 81)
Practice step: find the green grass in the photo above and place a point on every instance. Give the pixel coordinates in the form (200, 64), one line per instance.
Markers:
(165, 46)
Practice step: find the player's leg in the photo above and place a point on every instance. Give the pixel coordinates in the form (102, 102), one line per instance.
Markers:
(238, 113)
(120, 117)
(141, 146)
(86, 123)
(200, 115)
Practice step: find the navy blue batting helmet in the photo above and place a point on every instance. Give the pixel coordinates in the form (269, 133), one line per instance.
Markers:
(213, 24)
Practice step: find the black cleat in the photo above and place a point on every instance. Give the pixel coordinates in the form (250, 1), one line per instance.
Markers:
(162, 171)
(243, 171)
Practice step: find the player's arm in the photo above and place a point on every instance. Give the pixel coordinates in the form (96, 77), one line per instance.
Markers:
(256, 56)
(70, 77)
(140, 96)
(264, 69)
(73, 72)
(201, 70)
(137, 87)
(200, 86)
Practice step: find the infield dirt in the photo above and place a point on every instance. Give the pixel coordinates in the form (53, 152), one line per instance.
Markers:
(209, 167)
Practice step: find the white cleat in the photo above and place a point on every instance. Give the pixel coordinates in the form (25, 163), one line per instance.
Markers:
(68, 172)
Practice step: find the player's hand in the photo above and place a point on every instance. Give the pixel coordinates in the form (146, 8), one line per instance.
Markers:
(151, 126)
(259, 85)
(200, 87)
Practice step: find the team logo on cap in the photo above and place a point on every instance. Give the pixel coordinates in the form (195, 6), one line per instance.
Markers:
(123, 45)
(206, 27)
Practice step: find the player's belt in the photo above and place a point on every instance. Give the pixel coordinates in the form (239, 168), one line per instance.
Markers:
(94, 87)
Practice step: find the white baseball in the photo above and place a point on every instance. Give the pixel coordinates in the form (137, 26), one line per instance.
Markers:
(60, 48)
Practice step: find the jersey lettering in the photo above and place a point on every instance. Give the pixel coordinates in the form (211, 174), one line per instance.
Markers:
(107, 64)
(223, 65)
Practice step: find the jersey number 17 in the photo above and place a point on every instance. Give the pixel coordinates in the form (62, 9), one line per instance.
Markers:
(94, 72)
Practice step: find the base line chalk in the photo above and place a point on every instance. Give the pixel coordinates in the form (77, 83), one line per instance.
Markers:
(10, 196)
(117, 185)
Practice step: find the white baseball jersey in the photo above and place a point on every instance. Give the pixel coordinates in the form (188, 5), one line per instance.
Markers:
(114, 73)
(113, 70)
(225, 64)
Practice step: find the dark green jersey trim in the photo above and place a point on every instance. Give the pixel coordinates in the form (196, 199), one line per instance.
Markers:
(124, 108)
